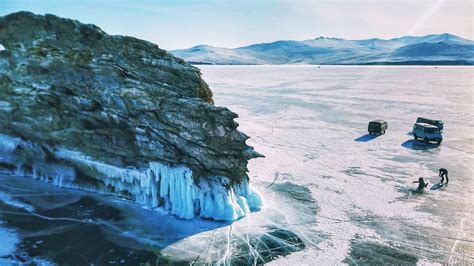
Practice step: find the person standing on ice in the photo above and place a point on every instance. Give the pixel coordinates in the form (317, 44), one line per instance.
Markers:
(443, 173)
(421, 185)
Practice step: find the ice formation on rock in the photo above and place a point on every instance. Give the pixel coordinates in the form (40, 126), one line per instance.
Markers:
(159, 185)
(174, 189)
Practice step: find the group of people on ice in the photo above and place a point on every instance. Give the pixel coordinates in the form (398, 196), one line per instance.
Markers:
(443, 173)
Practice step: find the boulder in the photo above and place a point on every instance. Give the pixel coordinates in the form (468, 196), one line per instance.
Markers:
(117, 115)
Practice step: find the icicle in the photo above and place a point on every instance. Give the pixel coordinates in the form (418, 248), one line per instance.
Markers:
(58, 180)
(19, 171)
(159, 185)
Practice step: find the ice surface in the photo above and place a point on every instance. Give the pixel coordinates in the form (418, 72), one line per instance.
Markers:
(305, 120)
(8, 200)
(8, 242)
(81, 214)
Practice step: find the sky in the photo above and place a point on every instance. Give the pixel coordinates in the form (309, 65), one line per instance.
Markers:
(183, 24)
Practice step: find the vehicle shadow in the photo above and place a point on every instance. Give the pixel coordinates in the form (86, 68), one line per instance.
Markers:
(419, 145)
(366, 138)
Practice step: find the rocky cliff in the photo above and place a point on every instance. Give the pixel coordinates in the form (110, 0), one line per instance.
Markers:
(117, 115)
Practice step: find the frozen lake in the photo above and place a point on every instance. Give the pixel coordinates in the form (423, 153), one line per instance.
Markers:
(332, 194)
(311, 123)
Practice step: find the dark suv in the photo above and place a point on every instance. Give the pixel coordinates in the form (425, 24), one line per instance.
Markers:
(377, 127)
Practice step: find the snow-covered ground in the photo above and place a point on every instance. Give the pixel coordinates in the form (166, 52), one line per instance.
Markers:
(331, 193)
(311, 123)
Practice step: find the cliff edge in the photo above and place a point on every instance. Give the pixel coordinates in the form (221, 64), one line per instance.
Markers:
(117, 115)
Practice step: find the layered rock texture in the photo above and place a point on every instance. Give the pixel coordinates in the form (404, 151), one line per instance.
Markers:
(115, 114)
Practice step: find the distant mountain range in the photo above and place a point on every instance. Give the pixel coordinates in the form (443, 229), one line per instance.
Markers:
(435, 49)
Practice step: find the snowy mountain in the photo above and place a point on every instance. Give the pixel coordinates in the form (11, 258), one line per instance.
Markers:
(430, 49)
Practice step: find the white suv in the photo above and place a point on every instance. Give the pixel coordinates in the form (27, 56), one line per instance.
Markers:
(427, 132)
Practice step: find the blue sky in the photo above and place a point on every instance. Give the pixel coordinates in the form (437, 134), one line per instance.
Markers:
(182, 24)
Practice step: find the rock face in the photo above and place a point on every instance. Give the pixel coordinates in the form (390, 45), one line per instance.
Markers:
(79, 107)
